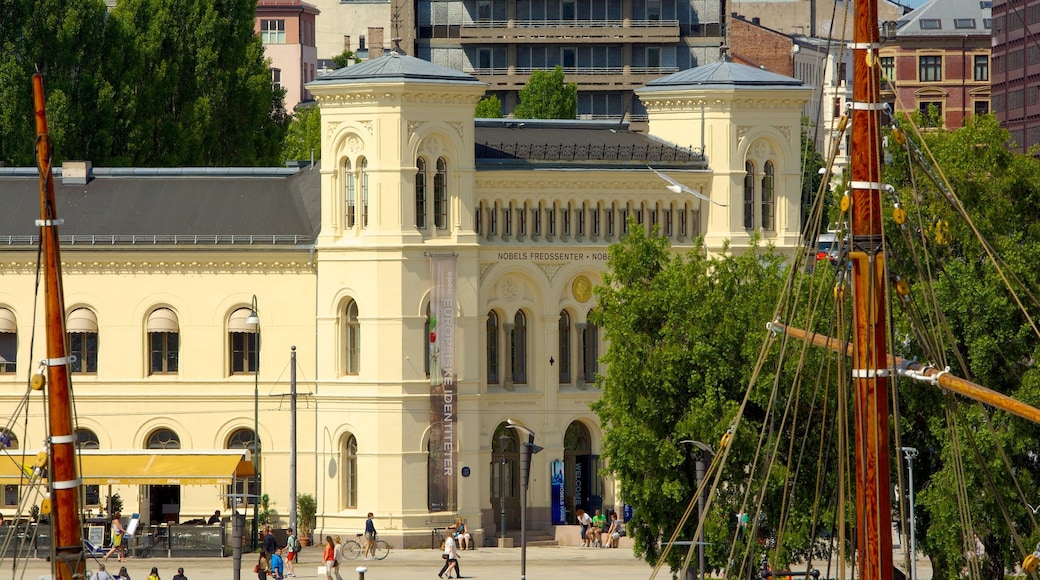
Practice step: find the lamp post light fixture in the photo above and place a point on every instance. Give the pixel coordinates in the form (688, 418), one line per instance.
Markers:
(910, 453)
(254, 319)
(527, 449)
(710, 451)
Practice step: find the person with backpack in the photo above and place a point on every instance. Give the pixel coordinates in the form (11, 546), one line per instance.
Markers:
(292, 547)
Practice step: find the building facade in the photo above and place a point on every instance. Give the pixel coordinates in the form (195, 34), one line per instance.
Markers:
(165, 271)
(287, 29)
(1015, 94)
(937, 61)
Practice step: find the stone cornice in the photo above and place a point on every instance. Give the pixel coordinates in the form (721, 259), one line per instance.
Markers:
(163, 267)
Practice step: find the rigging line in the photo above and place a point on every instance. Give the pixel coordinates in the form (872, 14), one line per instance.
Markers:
(997, 496)
(962, 211)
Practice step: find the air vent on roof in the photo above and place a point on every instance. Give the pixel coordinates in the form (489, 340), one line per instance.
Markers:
(76, 172)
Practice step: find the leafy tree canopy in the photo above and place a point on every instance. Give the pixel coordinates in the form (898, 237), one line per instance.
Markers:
(303, 138)
(547, 96)
(490, 107)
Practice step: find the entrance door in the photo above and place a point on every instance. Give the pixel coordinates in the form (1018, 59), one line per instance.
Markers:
(505, 479)
(164, 503)
(583, 487)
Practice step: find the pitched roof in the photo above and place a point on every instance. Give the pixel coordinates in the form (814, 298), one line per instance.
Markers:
(948, 18)
(723, 74)
(195, 206)
(394, 66)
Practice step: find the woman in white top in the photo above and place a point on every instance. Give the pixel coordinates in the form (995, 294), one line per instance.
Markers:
(585, 520)
(451, 557)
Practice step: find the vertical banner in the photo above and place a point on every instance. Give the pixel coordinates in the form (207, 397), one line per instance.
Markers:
(443, 400)
(558, 502)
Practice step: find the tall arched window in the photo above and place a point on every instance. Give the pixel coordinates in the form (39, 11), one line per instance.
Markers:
(164, 439)
(590, 351)
(768, 201)
(420, 194)
(519, 348)
(82, 329)
(440, 195)
(364, 193)
(244, 439)
(565, 348)
(491, 338)
(8, 341)
(349, 195)
(749, 196)
(351, 339)
(243, 340)
(163, 344)
(348, 460)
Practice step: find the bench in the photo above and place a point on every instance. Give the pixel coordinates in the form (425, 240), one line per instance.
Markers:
(437, 530)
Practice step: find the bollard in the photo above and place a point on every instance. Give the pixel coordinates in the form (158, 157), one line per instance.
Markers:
(361, 572)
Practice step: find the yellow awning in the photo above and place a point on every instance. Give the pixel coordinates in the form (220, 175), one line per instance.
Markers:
(142, 468)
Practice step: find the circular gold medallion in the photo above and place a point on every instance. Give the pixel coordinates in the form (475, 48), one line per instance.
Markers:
(581, 288)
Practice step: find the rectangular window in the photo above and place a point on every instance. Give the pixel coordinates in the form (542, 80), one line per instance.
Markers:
(567, 220)
(364, 193)
(653, 57)
(624, 221)
(91, 494)
(484, 61)
(483, 10)
(351, 204)
(507, 220)
(8, 352)
(84, 346)
(276, 79)
(668, 222)
(595, 221)
(568, 12)
(570, 57)
(931, 24)
(608, 214)
(888, 67)
(272, 31)
(964, 23)
(163, 348)
(478, 222)
(981, 107)
(931, 113)
(581, 220)
(550, 218)
(536, 217)
(929, 68)
(981, 67)
(682, 222)
(590, 348)
(521, 226)
(10, 495)
(653, 9)
(243, 352)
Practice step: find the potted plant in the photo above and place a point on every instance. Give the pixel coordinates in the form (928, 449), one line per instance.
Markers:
(306, 511)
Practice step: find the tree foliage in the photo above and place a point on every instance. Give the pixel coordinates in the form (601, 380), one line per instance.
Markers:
(685, 333)
(984, 336)
(303, 138)
(490, 107)
(154, 82)
(547, 96)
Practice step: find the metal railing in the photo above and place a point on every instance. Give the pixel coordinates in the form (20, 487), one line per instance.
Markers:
(570, 24)
(571, 152)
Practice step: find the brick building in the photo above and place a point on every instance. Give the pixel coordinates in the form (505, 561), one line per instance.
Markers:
(1016, 64)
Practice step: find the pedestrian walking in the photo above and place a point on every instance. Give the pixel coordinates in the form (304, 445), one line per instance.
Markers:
(154, 575)
(118, 531)
(291, 545)
(180, 573)
(263, 566)
(370, 538)
(328, 557)
(449, 555)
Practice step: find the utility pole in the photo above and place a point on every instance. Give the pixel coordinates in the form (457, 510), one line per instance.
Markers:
(292, 442)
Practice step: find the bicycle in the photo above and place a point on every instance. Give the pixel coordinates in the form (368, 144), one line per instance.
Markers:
(353, 549)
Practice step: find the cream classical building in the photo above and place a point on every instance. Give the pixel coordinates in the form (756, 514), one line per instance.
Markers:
(433, 275)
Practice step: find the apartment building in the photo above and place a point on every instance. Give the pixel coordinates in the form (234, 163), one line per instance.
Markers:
(287, 29)
(1016, 64)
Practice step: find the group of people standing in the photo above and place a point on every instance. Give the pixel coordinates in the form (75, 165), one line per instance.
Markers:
(594, 528)
(277, 561)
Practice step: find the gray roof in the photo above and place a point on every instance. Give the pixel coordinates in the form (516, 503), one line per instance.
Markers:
(724, 75)
(575, 144)
(394, 66)
(172, 206)
(948, 18)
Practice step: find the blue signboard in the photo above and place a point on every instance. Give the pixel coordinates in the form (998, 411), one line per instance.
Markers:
(558, 502)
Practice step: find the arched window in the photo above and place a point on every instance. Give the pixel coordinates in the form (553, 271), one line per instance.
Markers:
(492, 347)
(164, 439)
(244, 439)
(583, 486)
(565, 348)
(519, 348)
(348, 459)
(348, 181)
(590, 351)
(87, 439)
(82, 329)
(420, 194)
(440, 195)
(768, 201)
(8, 439)
(163, 346)
(243, 340)
(351, 339)
(8, 341)
(505, 476)
(364, 193)
(749, 196)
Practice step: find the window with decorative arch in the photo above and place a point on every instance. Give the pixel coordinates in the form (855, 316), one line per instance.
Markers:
(364, 192)
(243, 438)
(349, 480)
(440, 195)
(349, 193)
(351, 338)
(163, 342)
(420, 193)
(565, 348)
(492, 332)
(81, 326)
(163, 439)
(749, 195)
(8, 341)
(518, 346)
(590, 352)
(768, 197)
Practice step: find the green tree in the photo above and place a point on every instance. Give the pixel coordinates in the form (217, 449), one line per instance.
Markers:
(684, 334)
(345, 58)
(303, 138)
(547, 96)
(981, 326)
(490, 107)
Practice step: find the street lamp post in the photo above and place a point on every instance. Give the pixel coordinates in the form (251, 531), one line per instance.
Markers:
(254, 319)
(710, 451)
(910, 453)
(527, 449)
(503, 443)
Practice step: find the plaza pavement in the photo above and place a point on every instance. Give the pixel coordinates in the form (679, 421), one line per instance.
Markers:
(543, 563)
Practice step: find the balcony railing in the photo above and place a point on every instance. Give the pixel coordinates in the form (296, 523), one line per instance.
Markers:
(574, 71)
(571, 24)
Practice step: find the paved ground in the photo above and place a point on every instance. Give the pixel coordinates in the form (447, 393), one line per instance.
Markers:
(543, 563)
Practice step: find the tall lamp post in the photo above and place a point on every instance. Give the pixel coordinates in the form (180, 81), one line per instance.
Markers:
(527, 449)
(710, 452)
(254, 319)
(910, 453)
